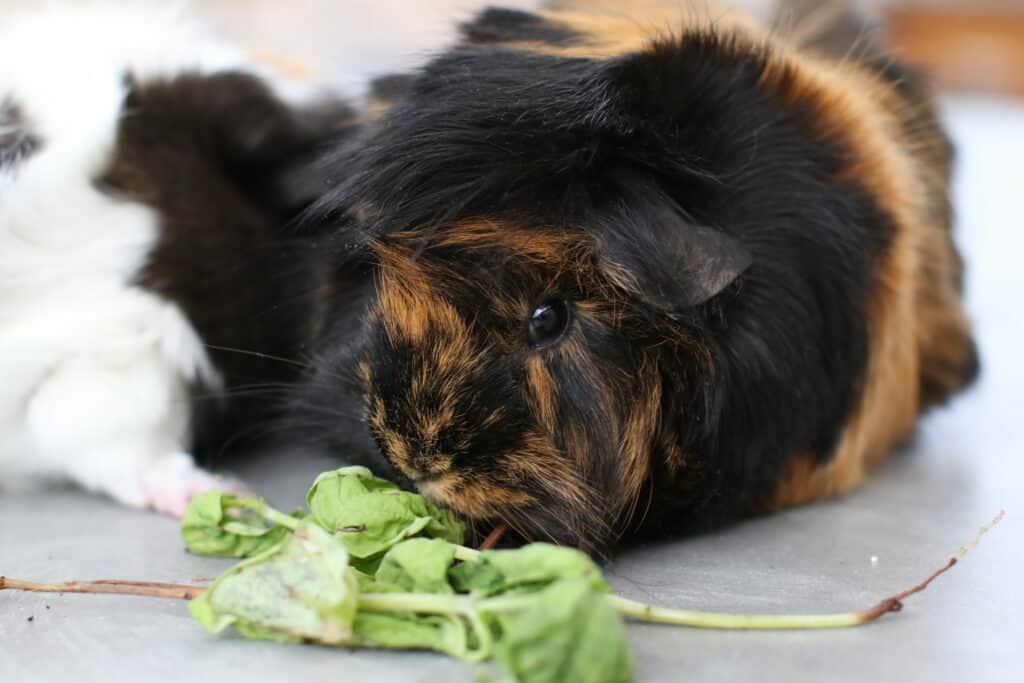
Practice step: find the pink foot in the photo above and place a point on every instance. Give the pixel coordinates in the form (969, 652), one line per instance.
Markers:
(172, 482)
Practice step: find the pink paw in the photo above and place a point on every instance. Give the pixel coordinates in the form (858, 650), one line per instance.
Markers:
(170, 483)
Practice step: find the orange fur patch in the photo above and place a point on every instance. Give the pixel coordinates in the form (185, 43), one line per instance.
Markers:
(476, 498)
(905, 314)
(542, 394)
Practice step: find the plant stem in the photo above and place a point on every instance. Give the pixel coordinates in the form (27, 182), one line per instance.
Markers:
(178, 591)
(423, 603)
(492, 538)
(466, 554)
(260, 507)
(470, 607)
(466, 607)
(680, 617)
(484, 637)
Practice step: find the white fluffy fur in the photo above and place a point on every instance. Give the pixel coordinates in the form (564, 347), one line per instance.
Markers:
(93, 370)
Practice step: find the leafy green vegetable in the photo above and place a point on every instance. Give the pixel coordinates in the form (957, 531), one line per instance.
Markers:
(568, 632)
(418, 565)
(532, 566)
(371, 515)
(301, 589)
(374, 566)
(347, 482)
(222, 525)
(548, 610)
(412, 632)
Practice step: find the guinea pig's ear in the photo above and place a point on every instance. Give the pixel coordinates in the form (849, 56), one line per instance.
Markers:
(655, 252)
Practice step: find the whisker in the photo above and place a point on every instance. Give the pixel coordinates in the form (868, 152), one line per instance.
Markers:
(256, 430)
(257, 354)
(241, 390)
(516, 527)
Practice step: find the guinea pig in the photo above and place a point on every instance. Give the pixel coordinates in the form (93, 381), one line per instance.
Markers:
(643, 271)
(147, 266)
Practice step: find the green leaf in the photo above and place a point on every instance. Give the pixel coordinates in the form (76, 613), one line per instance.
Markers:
(401, 631)
(215, 525)
(532, 566)
(347, 482)
(302, 589)
(540, 611)
(569, 632)
(418, 565)
(366, 565)
(371, 515)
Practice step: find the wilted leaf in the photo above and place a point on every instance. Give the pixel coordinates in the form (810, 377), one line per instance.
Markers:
(446, 634)
(302, 589)
(569, 632)
(535, 565)
(540, 611)
(371, 515)
(418, 565)
(215, 525)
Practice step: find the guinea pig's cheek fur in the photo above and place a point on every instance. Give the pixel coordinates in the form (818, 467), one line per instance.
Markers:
(435, 490)
(473, 497)
(394, 448)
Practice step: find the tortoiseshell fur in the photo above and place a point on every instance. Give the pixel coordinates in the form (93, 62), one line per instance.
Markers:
(752, 228)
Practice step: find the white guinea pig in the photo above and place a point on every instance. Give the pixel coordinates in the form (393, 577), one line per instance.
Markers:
(142, 235)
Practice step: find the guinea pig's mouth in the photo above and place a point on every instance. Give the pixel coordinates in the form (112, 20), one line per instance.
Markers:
(438, 488)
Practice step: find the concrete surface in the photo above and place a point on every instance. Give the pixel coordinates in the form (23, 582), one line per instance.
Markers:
(914, 514)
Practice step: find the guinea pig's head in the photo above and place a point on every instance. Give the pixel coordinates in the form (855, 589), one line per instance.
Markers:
(559, 225)
(527, 346)
(510, 375)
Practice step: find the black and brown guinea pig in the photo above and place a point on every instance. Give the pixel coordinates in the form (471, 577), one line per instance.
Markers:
(644, 270)
(148, 273)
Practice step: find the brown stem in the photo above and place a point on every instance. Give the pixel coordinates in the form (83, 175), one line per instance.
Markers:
(177, 591)
(895, 603)
(493, 537)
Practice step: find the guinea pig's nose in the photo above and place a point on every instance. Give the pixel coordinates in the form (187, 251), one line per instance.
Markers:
(417, 463)
(419, 446)
(427, 467)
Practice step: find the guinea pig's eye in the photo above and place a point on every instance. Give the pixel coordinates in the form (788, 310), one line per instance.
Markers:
(548, 323)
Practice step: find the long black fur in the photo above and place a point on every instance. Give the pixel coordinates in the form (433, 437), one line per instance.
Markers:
(502, 133)
(227, 166)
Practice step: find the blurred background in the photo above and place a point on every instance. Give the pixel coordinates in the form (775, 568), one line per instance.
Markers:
(968, 46)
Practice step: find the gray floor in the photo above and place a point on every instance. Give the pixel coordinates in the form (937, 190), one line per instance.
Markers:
(914, 514)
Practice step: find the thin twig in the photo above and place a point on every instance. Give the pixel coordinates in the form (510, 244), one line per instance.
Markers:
(629, 608)
(678, 617)
(152, 589)
(981, 532)
(895, 603)
(492, 538)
